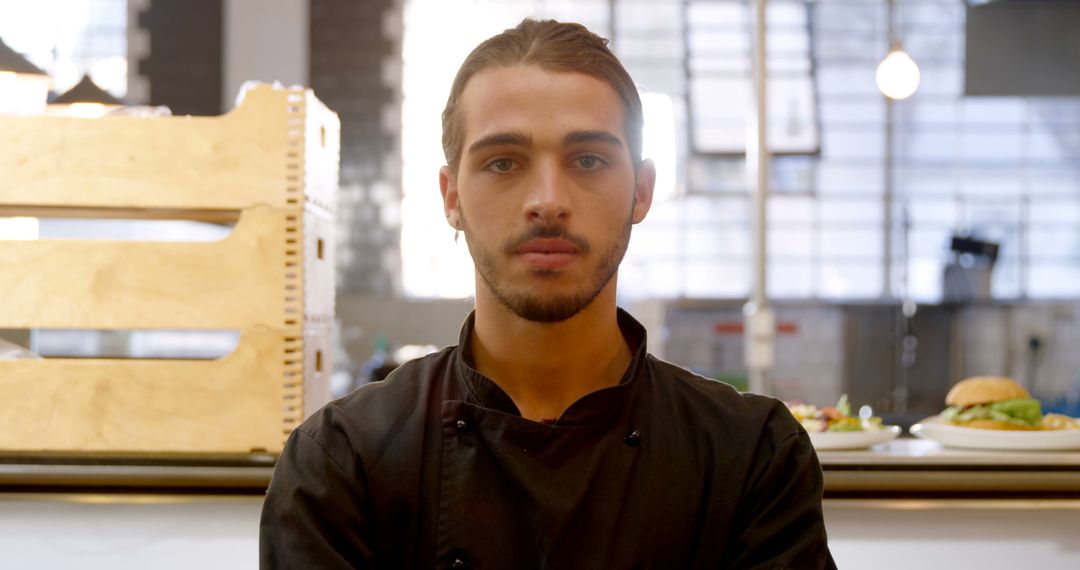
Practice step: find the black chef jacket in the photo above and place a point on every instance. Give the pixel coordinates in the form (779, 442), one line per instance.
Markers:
(435, 467)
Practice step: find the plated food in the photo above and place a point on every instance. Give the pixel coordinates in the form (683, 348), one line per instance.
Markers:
(998, 413)
(833, 427)
(987, 402)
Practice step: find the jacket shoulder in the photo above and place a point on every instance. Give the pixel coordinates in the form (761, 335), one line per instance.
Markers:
(719, 401)
(367, 419)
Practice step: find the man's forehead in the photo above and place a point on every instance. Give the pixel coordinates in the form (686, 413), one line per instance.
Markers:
(520, 139)
(524, 99)
(522, 76)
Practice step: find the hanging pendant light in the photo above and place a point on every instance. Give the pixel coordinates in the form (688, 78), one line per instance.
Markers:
(86, 100)
(898, 75)
(23, 87)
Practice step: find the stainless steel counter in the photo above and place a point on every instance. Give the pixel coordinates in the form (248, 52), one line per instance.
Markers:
(901, 469)
(910, 468)
(237, 475)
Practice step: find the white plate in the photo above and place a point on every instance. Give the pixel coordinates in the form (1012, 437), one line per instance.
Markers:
(827, 440)
(933, 428)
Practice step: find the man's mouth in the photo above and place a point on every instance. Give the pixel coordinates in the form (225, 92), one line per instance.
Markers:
(547, 253)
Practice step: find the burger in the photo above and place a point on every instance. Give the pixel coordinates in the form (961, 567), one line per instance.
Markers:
(986, 402)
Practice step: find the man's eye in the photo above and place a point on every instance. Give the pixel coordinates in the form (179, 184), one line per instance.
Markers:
(501, 165)
(590, 162)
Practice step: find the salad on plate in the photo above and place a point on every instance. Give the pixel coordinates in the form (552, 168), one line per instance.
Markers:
(836, 418)
(835, 428)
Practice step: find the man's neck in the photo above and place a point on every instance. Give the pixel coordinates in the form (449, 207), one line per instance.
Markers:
(546, 367)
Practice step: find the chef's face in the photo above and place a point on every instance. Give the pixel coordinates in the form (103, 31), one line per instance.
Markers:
(546, 190)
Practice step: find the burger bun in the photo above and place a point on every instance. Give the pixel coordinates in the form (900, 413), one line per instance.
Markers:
(985, 390)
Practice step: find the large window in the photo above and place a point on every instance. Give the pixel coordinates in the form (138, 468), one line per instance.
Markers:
(719, 70)
(69, 38)
(66, 39)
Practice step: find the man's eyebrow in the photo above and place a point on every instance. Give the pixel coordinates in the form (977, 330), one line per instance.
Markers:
(578, 137)
(501, 139)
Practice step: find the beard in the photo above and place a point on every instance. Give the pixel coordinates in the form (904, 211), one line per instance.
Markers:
(531, 305)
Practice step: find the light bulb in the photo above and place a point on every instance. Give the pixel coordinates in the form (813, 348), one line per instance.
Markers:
(898, 75)
(87, 110)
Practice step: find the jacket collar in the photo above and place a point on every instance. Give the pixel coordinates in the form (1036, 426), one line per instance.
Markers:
(484, 392)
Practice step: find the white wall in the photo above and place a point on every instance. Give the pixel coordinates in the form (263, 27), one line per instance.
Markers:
(264, 40)
(996, 535)
(118, 532)
(46, 532)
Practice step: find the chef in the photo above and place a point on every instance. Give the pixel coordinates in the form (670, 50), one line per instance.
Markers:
(547, 437)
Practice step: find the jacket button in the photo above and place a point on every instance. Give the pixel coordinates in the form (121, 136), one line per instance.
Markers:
(462, 426)
(460, 561)
(633, 439)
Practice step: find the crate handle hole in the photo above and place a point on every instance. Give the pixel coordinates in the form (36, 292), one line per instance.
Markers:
(319, 248)
(318, 361)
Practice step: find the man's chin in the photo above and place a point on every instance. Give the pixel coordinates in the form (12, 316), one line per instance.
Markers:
(546, 311)
(545, 315)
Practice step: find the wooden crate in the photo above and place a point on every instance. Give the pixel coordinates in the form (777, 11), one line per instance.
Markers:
(270, 166)
(279, 147)
(268, 271)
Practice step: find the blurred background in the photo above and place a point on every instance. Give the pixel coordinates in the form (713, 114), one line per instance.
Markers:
(910, 242)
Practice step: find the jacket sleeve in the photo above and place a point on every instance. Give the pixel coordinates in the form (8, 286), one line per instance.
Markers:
(781, 523)
(316, 512)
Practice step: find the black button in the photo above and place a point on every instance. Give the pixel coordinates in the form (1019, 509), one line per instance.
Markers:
(459, 560)
(463, 426)
(633, 439)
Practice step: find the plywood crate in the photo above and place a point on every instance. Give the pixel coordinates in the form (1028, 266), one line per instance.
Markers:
(271, 167)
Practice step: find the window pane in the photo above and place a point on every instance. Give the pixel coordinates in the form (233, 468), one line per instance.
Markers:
(845, 280)
(1059, 281)
(791, 279)
(788, 243)
(850, 243)
(717, 279)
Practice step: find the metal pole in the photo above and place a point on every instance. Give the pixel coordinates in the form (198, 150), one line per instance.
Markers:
(612, 15)
(887, 189)
(761, 88)
(903, 331)
(760, 320)
(887, 204)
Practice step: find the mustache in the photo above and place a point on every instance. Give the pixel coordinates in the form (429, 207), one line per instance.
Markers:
(546, 232)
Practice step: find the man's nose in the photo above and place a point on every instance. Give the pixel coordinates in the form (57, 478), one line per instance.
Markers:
(548, 201)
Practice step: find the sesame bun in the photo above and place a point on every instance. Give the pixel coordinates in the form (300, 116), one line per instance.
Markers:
(984, 390)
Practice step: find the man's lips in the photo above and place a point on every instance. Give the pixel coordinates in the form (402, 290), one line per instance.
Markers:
(547, 245)
(547, 253)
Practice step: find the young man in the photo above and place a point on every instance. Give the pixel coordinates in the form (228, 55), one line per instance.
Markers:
(547, 438)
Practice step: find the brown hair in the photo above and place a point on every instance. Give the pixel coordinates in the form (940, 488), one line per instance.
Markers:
(554, 46)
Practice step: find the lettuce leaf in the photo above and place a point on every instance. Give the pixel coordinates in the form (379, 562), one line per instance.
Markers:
(843, 405)
(1025, 409)
(1018, 411)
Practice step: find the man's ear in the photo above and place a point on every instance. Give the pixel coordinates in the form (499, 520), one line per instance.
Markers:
(448, 188)
(643, 189)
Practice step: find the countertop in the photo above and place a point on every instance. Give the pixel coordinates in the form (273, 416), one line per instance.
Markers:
(903, 468)
(911, 468)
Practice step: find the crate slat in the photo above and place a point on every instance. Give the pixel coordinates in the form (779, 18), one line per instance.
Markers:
(252, 277)
(235, 404)
(279, 147)
(318, 358)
